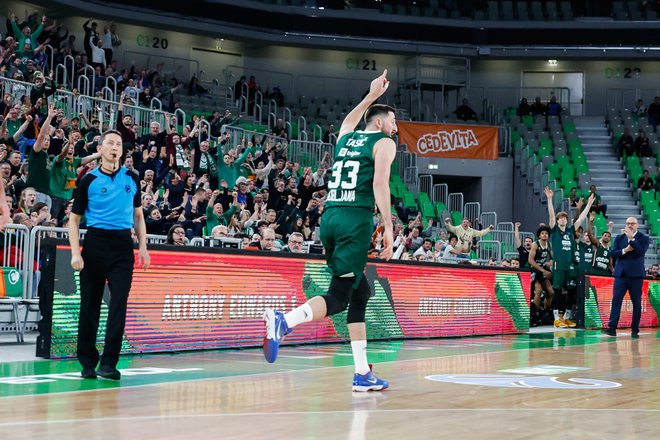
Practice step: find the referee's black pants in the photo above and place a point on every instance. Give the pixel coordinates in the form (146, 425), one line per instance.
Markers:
(108, 255)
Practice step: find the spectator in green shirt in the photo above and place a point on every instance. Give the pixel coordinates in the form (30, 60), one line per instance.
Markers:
(39, 172)
(215, 214)
(26, 36)
(63, 174)
(229, 169)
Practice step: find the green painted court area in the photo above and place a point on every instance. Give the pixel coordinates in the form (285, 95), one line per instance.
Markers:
(63, 376)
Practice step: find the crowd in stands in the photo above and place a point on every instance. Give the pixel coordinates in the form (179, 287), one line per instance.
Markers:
(193, 182)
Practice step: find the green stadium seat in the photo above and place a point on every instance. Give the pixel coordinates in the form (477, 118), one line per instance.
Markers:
(456, 218)
(427, 210)
(647, 197)
(528, 120)
(562, 161)
(574, 143)
(581, 167)
(439, 209)
(409, 201)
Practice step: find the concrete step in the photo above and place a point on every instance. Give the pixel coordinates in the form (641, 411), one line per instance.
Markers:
(599, 135)
(606, 174)
(614, 170)
(610, 180)
(598, 148)
(590, 138)
(604, 156)
(615, 199)
(620, 219)
(625, 212)
(597, 161)
(619, 204)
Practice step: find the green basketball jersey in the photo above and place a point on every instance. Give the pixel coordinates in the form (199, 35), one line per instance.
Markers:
(586, 256)
(563, 245)
(351, 182)
(601, 262)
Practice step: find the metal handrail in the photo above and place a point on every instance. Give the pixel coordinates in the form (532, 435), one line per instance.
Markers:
(64, 79)
(114, 87)
(183, 116)
(72, 72)
(107, 93)
(258, 104)
(272, 111)
(157, 101)
(51, 57)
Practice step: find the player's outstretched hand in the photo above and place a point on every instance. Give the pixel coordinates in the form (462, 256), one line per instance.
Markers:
(379, 85)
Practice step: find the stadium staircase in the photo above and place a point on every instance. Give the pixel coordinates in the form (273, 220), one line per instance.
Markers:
(616, 181)
(607, 172)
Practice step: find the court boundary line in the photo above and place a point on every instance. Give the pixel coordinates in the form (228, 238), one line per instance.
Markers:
(302, 413)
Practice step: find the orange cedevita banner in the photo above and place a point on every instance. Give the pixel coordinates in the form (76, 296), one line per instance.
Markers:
(450, 141)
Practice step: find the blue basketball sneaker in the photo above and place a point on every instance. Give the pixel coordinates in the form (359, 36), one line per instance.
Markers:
(368, 382)
(276, 330)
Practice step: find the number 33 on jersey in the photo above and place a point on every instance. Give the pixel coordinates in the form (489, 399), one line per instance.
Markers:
(351, 182)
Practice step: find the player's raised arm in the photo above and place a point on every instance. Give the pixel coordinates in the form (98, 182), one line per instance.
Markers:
(376, 90)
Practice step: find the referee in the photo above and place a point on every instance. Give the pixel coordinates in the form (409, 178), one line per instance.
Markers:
(109, 198)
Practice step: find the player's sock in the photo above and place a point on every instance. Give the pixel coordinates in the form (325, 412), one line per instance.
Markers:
(567, 314)
(299, 315)
(360, 356)
(556, 314)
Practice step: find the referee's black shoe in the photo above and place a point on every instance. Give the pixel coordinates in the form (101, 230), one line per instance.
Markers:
(610, 332)
(109, 373)
(88, 373)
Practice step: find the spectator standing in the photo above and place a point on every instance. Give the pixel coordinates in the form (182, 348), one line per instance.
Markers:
(538, 108)
(654, 112)
(465, 233)
(524, 109)
(523, 248)
(63, 174)
(39, 172)
(91, 36)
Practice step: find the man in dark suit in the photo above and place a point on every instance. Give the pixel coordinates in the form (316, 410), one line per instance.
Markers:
(628, 250)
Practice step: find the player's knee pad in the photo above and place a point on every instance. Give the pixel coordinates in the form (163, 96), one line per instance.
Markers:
(359, 299)
(339, 292)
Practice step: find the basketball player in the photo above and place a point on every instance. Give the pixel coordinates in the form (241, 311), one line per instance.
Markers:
(564, 245)
(539, 260)
(360, 175)
(602, 261)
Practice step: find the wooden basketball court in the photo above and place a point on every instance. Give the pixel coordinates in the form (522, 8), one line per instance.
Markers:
(572, 384)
